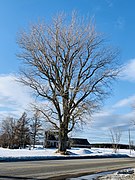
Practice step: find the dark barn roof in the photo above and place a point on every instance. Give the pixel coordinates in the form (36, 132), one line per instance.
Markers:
(79, 142)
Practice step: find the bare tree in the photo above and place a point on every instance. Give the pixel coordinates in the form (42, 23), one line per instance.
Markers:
(35, 127)
(115, 134)
(22, 131)
(8, 132)
(70, 68)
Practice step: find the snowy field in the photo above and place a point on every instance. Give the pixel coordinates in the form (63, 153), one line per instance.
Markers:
(41, 153)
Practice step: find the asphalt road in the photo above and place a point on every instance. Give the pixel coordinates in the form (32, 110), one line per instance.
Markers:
(60, 169)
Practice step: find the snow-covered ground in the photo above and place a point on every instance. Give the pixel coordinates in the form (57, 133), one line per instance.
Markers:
(40, 153)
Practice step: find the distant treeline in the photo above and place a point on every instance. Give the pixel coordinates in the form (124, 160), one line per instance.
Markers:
(110, 145)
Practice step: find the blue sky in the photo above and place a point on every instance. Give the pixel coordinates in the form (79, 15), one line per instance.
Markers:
(114, 18)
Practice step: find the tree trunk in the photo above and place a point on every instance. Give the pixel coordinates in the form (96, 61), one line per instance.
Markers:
(63, 139)
(63, 131)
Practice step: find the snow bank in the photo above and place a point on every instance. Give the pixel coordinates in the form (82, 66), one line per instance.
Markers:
(82, 151)
(41, 153)
(126, 174)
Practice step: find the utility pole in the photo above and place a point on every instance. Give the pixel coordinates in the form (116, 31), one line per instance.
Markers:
(129, 135)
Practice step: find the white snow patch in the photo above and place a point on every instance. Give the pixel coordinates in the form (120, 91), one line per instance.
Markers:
(126, 174)
(44, 153)
(82, 151)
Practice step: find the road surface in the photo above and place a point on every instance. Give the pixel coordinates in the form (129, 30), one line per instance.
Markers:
(60, 169)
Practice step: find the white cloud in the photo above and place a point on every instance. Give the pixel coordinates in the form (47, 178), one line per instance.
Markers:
(116, 120)
(120, 114)
(125, 102)
(109, 3)
(120, 23)
(99, 129)
(128, 72)
(14, 97)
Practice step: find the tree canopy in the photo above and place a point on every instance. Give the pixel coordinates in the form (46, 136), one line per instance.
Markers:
(70, 68)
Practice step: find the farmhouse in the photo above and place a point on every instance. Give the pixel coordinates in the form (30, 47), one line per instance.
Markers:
(52, 140)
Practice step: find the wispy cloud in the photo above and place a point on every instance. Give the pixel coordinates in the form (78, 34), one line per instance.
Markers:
(128, 72)
(112, 116)
(113, 120)
(109, 3)
(125, 102)
(99, 129)
(14, 98)
(120, 23)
